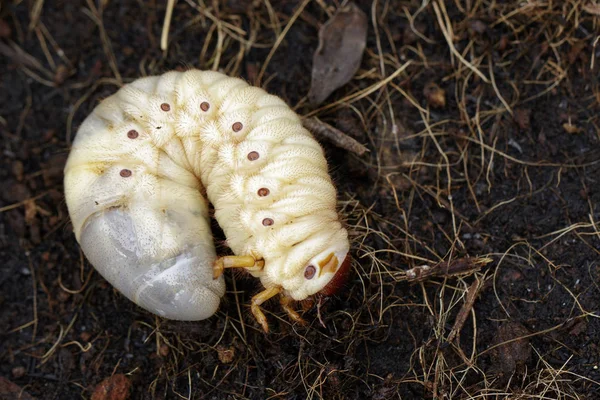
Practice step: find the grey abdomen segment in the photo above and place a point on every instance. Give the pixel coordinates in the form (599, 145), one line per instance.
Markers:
(177, 286)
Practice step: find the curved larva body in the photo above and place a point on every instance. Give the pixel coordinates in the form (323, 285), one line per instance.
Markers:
(135, 183)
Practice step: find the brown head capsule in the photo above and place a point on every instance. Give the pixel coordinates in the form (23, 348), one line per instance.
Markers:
(262, 192)
(165, 107)
(204, 106)
(253, 156)
(125, 173)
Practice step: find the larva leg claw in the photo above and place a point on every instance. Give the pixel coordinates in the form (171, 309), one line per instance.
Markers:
(286, 305)
(258, 300)
(248, 262)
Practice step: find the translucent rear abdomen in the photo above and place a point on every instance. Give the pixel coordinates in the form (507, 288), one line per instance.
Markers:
(137, 205)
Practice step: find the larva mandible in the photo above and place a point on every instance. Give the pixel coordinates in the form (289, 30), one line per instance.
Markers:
(135, 185)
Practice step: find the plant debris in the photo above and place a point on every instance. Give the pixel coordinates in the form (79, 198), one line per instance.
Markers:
(435, 95)
(513, 348)
(115, 387)
(323, 130)
(460, 266)
(342, 41)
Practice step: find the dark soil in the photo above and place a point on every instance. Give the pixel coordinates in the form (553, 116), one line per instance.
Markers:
(466, 179)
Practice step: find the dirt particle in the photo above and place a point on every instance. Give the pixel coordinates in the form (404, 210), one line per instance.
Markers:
(17, 170)
(61, 74)
(522, 117)
(18, 372)
(163, 350)
(435, 95)
(115, 387)
(226, 354)
(571, 129)
(128, 51)
(477, 26)
(10, 390)
(513, 350)
(5, 30)
(575, 51)
(503, 43)
(579, 328)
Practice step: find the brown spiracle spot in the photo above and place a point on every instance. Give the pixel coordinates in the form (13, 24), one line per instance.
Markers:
(262, 192)
(268, 222)
(237, 126)
(253, 156)
(132, 134)
(310, 271)
(165, 107)
(125, 173)
(204, 106)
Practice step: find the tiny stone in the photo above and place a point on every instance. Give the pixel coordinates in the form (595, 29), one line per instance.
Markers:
(165, 107)
(132, 134)
(237, 127)
(204, 106)
(262, 192)
(164, 350)
(253, 156)
(125, 173)
(18, 372)
(268, 222)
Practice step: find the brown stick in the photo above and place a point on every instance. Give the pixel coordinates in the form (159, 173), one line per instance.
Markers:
(466, 308)
(325, 131)
(459, 266)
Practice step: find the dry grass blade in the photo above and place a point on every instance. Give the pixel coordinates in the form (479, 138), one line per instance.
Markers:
(164, 37)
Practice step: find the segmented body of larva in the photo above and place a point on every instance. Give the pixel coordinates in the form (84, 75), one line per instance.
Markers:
(141, 165)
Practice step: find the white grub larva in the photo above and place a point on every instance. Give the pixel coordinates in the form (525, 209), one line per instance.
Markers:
(135, 184)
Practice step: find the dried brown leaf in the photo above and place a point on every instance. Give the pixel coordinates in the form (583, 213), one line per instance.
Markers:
(514, 350)
(342, 41)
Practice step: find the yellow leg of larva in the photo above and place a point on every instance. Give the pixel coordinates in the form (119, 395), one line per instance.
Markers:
(248, 262)
(286, 305)
(258, 300)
